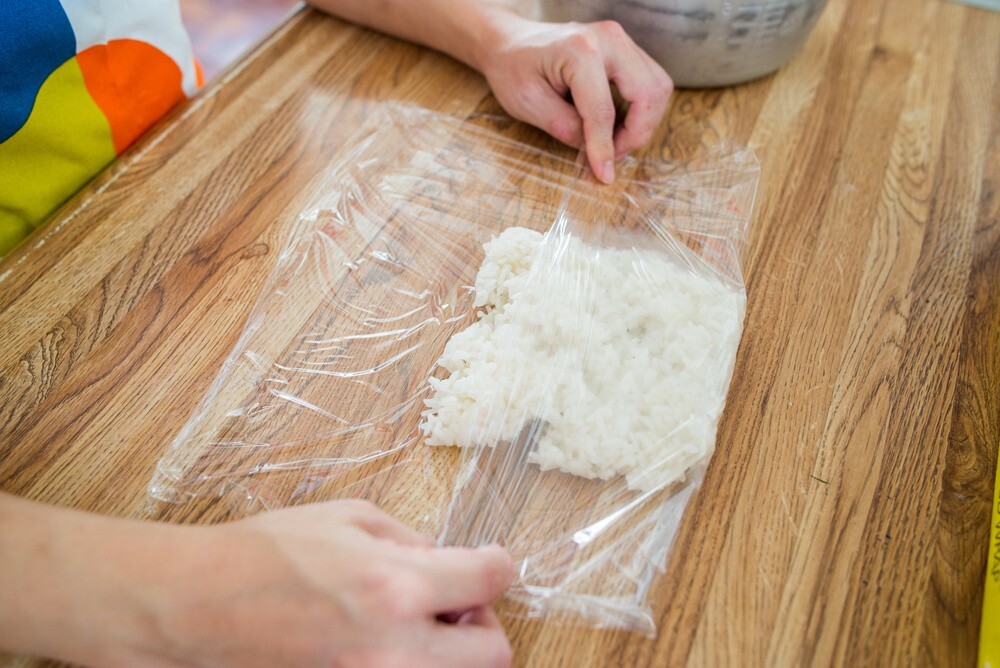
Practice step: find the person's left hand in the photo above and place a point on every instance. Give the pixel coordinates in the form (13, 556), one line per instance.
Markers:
(557, 77)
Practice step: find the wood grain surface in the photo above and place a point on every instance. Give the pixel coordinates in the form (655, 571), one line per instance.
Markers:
(844, 518)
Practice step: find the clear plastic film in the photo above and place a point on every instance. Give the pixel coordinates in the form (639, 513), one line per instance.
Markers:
(452, 286)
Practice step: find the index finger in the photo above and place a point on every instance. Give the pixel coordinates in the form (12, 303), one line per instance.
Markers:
(464, 578)
(591, 92)
(380, 524)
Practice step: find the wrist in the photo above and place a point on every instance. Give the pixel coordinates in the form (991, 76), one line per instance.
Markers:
(483, 31)
(79, 587)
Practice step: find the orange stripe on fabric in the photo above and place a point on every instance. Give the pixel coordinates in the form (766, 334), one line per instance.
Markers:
(133, 83)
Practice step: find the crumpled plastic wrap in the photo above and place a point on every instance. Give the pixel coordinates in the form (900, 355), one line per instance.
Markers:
(587, 334)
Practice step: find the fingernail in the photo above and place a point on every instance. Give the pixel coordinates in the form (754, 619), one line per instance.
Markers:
(608, 171)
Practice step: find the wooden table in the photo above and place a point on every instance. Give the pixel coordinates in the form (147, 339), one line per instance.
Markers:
(844, 518)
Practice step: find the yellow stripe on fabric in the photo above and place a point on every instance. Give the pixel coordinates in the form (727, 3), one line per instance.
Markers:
(63, 144)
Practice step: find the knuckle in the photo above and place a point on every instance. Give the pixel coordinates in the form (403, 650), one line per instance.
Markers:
(360, 511)
(613, 30)
(666, 87)
(603, 114)
(395, 595)
(499, 572)
(359, 506)
(585, 43)
(663, 84)
(563, 129)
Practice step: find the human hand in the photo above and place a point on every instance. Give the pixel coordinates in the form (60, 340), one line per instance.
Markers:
(340, 584)
(556, 77)
(535, 68)
(333, 584)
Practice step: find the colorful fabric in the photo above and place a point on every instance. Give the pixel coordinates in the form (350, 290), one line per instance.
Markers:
(80, 80)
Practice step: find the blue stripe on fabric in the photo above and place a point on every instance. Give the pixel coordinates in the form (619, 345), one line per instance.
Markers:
(36, 37)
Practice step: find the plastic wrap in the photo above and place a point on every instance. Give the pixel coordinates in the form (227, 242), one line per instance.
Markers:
(586, 373)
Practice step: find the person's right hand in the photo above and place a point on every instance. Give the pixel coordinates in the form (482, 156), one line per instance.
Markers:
(558, 76)
(340, 584)
(555, 76)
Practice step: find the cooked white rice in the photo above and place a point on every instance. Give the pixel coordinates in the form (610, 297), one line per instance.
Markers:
(624, 354)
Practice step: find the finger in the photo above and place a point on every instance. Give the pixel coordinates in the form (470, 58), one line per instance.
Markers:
(541, 105)
(645, 113)
(468, 645)
(379, 524)
(588, 82)
(647, 88)
(550, 112)
(464, 578)
(481, 616)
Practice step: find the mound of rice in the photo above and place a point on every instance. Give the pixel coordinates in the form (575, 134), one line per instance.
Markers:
(624, 354)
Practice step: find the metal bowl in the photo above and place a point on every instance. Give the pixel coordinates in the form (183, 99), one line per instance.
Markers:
(703, 43)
